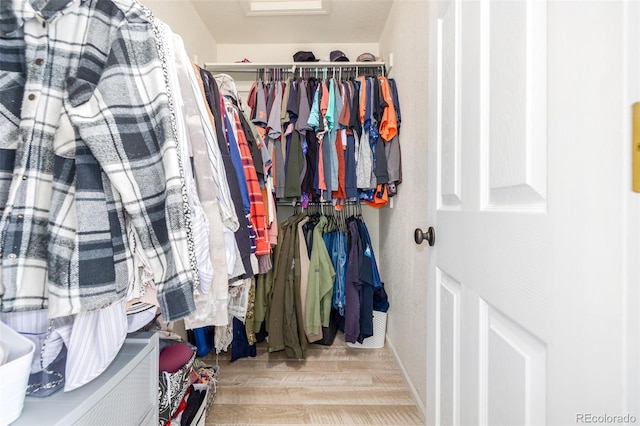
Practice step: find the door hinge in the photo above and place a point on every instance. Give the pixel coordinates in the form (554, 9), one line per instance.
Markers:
(635, 147)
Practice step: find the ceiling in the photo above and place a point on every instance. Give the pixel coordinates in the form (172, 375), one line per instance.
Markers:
(353, 21)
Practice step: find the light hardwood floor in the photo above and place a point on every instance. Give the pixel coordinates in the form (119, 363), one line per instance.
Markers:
(333, 385)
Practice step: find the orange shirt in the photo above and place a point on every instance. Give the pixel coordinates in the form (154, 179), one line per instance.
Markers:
(345, 114)
(363, 98)
(389, 123)
(324, 101)
(258, 213)
(322, 184)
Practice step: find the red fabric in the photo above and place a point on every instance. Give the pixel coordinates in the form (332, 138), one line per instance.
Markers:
(174, 357)
(324, 100)
(345, 114)
(251, 99)
(257, 213)
(341, 193)
(322, 185)
(181, 407)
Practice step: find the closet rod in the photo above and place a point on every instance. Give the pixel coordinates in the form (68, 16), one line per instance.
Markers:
(297, 203)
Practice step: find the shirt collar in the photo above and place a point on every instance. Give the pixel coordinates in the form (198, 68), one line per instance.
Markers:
(14, 13)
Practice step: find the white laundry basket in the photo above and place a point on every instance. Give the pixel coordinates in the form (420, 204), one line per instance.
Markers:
(379, 332)
(14, 374)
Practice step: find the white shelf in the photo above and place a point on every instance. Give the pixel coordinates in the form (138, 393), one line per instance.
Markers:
(230, 67)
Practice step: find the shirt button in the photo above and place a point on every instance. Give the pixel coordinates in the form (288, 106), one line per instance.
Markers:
(24, 178)
(20, 216)
(12, 256)
(24, 138)
(39, 61)
(44, 25)
(31, 97)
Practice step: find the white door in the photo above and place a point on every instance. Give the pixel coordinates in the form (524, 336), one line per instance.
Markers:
(529, 280)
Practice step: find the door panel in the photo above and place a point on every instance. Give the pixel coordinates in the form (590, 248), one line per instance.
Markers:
(512, 43)
(526, 307)
(515, 371)
(504, 143)
(449, 190)
(449, 309)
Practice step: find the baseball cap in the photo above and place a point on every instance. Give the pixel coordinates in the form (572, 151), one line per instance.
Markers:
(304, 56)
(338, 56)
(366, 57)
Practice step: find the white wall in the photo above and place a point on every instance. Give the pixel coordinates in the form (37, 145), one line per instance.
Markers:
(183, 19)
(283, 52)
(403, 262)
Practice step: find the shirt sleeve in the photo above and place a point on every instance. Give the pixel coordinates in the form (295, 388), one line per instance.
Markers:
(125, 120)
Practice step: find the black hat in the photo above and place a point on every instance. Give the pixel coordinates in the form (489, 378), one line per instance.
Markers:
(303, 56)
(338, 56)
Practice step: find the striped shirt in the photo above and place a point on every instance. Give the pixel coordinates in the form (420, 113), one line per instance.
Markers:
(86, 153)
(257, 212)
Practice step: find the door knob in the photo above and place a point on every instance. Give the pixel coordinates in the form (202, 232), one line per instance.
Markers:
(430, 236)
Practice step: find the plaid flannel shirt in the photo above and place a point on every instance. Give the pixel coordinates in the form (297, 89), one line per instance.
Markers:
(86, 154)
(258, 213)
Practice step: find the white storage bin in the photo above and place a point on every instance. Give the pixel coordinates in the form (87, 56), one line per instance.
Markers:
(14, 374)
(126, 393)
(379, 332)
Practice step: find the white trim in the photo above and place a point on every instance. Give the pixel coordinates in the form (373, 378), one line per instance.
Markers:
(292, 66)
(285, 7)
(422, 409)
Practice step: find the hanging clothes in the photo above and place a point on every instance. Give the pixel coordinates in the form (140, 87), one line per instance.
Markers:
(353, 285)
(211, 251)
(324, 270)
(320, 286)
(100, 263)
(256, 212)
(242, 235)
(339, 260)
(284, 312)
(335, 139)
(95, 200)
